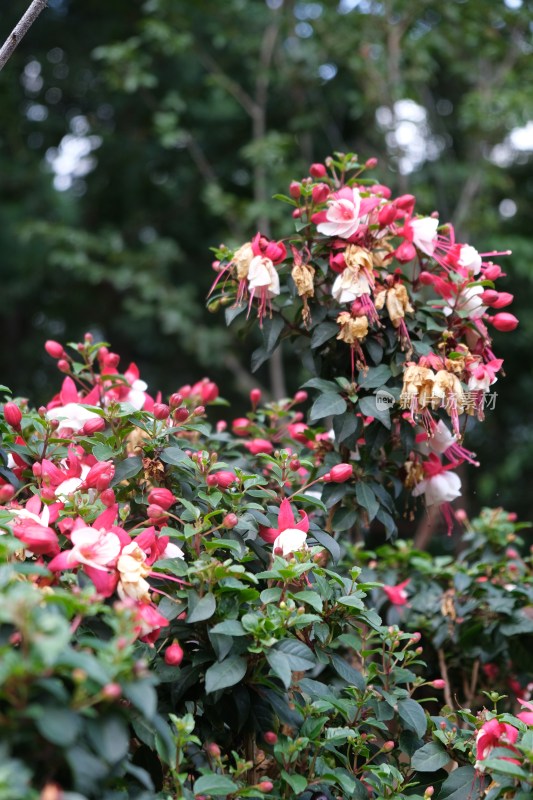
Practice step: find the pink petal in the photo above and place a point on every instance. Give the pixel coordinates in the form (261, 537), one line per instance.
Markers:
(286, 516)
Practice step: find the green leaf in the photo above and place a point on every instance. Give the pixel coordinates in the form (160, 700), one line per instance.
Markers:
(413, 716)
(368, 407)
(176, 457)
(127, 468)
(59, 725)
(272, 330)
(297, 782)
(225, 673)
(348, 673)
(280, 666)
(323, 332)
(505, 767)
(230, 627)
(218, 785)
(367, 499)
(299, 656)
(109, 737)
(430, 758)
(327, 405)
(311, 598)
(374, 377)
(203, 609)
(462, 783)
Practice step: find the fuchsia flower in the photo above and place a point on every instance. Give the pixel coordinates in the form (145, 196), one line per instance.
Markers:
(257, 446)
(32, 526)
(439, 485)
(495, 734)
(397, 594)
(289, 535)
(341, 218)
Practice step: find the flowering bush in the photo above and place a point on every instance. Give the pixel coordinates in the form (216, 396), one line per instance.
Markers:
(389, 313)
(185, 610)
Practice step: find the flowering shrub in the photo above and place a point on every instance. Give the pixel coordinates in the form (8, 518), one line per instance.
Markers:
(389, 313)
(185, 611)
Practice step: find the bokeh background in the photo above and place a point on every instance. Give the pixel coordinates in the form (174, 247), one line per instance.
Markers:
(136, 135)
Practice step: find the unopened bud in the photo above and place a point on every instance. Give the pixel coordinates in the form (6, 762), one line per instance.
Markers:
(388, 746)
(230, 520)
(198, 411)
(371, 163)
(7, 492)
(213, 749)
(317, 170)
(255, 397)
(54, 349)
(341, 473)
(265, 786)
(174, 654)
(300, 397)
(181, 414)
(295, 464)
(270, 737)
(295, 190)
(175, 400)
(112, 691)
(108, 497)
(93, 426)
(13, 415)
(63, 365)
(161, 411)
(439, 683)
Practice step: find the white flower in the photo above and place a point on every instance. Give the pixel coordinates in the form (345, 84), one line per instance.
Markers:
(469, 259)
(173, 551)
(72, 415)
(349, 285)
(441, 439)
(137, 394)
(290, 540)
(441, 488)
(425, 234)
(468, 303)
(263, 275)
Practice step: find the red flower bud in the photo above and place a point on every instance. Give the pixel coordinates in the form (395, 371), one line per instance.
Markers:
(54, 349)
(317, 170)
(295, 190)
(503, 321)
(492, 272)
(100, 475)
(174, 655)
(426, 278)
(295, 464)
(371, 163)
(320, 193)
(156, 513)
(387, 215)
(161, 497)
(300, 397)
(297, 213)
(108, 497)
(240, 426)
(198, 411)
(255, 397)
(270, 737)
(405, 252)
(341, 473)
(222, 479)
(438, 684)
(7, 492)
(230, 520)
(213, 749)
(63, 365)
(406, 202)
(13, 415)
(181, 414)
(175, 400)
(93, 426)
(257, 446)
(161, 411)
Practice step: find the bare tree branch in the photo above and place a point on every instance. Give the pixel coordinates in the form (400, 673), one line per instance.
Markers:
(20, 30)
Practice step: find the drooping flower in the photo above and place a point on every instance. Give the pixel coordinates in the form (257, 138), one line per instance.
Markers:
(296, 531)
(263, 282)
(439, 484)
(424, 233)
(397, 594)
(495, 734)
(349, 285)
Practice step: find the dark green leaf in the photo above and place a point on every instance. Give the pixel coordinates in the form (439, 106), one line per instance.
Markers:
(217, 785)
(176, 457)
(367, 499)
(127, 468)
(323, 332)
(462, 783)
(430, 758)
(369, 408)
(201, 609)
(348, 673)
(374, 377)
(413, 716)
(59, 725)
(327, 405)
(225, 673)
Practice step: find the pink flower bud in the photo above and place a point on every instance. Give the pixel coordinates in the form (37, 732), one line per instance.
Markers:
(317, 170)
(295, 190)
(265, 786)
(439, 683)
(405, 252)
(512, 516)
(257, 446)
(156, 514)
(112, 691)
(503, 299)
(295, 464)
(415, 637)
(380, 190)
(492, 272)
(230, 520)
(161, 411)
(93, 426)
(174, 655)
(54, 349)
(270, 737)
(297, 213)
(426, 278)
(255, 397)
(387, 215)
(7, 492)
(406, 202)
(213, 749)
(223, 479)
(221, 425)
(320, 193)
(341, 473)
(461, 515)
(181, 414)
(108, 497)
(240, 426)
(111, 360)
(300, 397)
(100, 475)
(388, 746)
(63, 365)
(503, 321)
(430, 791)
(13, 415)
(48, 493)
(175, 400)
(326, 478)
(198, 411)
(371, 163)
(161, 497)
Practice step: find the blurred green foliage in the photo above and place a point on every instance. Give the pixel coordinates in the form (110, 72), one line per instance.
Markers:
(136, 135)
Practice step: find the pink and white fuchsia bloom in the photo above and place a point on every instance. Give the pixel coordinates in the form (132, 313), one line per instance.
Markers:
(290, 535)
(341, 217)
(424, 234)
(440, 485)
